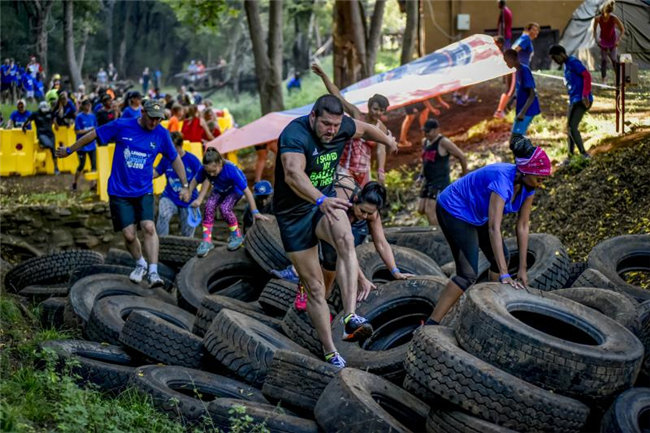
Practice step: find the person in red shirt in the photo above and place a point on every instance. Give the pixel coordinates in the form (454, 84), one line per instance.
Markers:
(194, 127)
(504, 24)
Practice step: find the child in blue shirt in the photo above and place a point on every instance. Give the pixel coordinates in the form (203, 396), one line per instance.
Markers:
(524, 44)
(527, 102)
(19, 116)
(84, 123)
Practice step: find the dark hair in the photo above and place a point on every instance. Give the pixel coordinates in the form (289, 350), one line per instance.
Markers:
(177, 138)
(329, 103)
(431, 124)
(530, 25)
(521, 146)
(499, 40)
(373, 193)
(85, 102)
(510, 53)
(380, 100)
(556, 50)
(212, 155)
(502, 2)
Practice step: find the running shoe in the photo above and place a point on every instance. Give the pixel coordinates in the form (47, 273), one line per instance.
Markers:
(286, 274)
(356, 328)
(138, 274)
(499, 114)
(301, 299)
(236, 240)
(335, 359)
(155, 280)
(204, 248)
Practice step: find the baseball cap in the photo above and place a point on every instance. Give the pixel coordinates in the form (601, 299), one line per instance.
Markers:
(154, 109)
(263, 187)
(193, 216)
(430, 124)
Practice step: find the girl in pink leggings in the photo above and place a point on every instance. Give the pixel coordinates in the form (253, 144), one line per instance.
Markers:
(608, 40)
(228, 184)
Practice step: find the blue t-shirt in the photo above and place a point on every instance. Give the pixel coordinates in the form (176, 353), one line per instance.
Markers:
(230, 180)
(468, 198)
(526, 45)
(84, 121)
(135, 151)
(130, 113)
(173, 188)
(28, 82)
(4, 74)
(17, 118)
(573, 69)
(525, 81)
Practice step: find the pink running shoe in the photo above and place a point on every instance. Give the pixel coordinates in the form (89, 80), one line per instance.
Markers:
(301, 299)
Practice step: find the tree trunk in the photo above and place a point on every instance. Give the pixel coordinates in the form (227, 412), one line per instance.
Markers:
(302, 26)
(125, 31)
(39, 12)
(374, 37)
(68, 34)
(349, 43)
(234, 59)
(410, 31)
(109, 7)
(82, 50)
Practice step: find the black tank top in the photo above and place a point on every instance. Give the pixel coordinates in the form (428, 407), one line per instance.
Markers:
(434, 166)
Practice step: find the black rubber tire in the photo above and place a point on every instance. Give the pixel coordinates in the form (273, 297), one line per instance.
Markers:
(50, 269)
(109, 314)
(428, 240)
(437, 362)
(213, 304)
(245, 345)
(644, 336)
(616, 306)
(622, 254)
(450, 420)
(395, 311)
(175, 251)
(222, 272)
(296, 380)
(41, 292)
(298, 327)
(275, 419)
(116, 256)
(549, 341)
(88, 290)
(630, 413)
(575, 270)
(358, 401)
(264, 245)
(548, 261)
(278, 296)
(161, 340)
(109, 367)
(170, 388)
(86, 271)
(16, 250)
(594, 278)
(51, 312)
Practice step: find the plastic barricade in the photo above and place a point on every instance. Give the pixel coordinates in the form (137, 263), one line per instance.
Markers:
(17, 151)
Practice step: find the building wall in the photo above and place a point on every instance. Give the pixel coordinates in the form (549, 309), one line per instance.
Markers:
(439, 17)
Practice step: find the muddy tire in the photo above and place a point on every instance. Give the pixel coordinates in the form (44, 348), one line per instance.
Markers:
(278, 296)
(485, 391)
(221, 272)
(562, 346)
(50, 269)
(264, 245)
(213, 304)
(628, 413)
(356, 401)
(428, 240)
(245, 345)
(619, 255)
(449, 420)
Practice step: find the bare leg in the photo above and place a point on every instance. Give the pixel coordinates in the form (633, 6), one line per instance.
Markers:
(260, 163)
(406, 125)
(132, 242)
(447, 300)
(150, 240)
(329, 277)
(430, 210)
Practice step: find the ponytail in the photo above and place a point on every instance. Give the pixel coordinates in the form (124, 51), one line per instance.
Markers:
(373, 193)
(212, 155)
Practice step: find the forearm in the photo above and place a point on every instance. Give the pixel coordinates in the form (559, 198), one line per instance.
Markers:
(250, 199)
(529, 102)
(92, 135)
(386, 254)
(496, 241)
(381, 158)
(179, 168)
(373, 133)
(522, 243)
(205, 188)
(302, 186)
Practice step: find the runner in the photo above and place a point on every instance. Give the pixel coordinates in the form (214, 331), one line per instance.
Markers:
(228, 183)
(130, 187)
(509, 81)
(504, 24)
(524, 44)
(262, 152)
(435, 168)
(527, 103)
(83, 124)
(608, 40)
(309, 150)
(578, 83)
(470, 212)
(170, 202)
(44, 120)
(356, 158)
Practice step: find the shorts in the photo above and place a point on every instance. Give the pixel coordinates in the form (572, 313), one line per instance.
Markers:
(130, 210)
(298, 232)
(260, 147)
(29, 94)
(44, 140)
(430, 191)
(410, 109)
(328, 253)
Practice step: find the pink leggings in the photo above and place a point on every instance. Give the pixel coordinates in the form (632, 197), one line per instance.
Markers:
(226, 204)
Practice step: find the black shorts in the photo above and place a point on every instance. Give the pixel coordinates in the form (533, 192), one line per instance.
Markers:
(130, 210)
(260, 147)
(328, 253)
(410, 109)
(298, 232)
(430, 191)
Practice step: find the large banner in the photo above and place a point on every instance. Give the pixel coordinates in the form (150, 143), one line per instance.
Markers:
(464, 63)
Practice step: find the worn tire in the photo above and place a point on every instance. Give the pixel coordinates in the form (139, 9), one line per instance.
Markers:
(450, 420)
(42, 292)
(395, 311)
(221, 272)
(245, 345)
(616, 256)
(16, 250)
(109, 314)
(275, 419)
(213, 304)
(428, 240)
(298, 327)
(628, 413)
(51, 312)
(594, 278)
(86, 271)
(549, 341)
(264, 245)
(436, 361)
(170, 388)
(175, 251)
(116, 256)
(50, 269)
(108, 367)
(277, 296)
(644, 336)
(575, 270)
(357, 401)
(161, 340)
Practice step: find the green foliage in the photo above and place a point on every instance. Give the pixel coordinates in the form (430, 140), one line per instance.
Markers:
(204, 15)
(240, 422)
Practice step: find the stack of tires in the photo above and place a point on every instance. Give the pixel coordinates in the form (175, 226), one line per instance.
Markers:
(222, 333)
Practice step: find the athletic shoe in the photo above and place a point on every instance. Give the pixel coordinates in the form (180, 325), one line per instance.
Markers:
(499, 114)
(335, 359)
(73, 187)
(301, 299)
(356, 328)
(236, 239)
(155, 280)
(286, 274)
(204, 248)
(138, 274)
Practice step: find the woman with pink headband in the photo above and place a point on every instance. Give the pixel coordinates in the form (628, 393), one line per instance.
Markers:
(470, 212)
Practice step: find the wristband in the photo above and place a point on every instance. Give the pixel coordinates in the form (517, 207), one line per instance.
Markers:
(186, 185)
(320, 200)
(68, 151)
(255, 211)
(394, 270)
(503, 277)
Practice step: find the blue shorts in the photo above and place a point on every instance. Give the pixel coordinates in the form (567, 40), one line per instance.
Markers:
(521, 126)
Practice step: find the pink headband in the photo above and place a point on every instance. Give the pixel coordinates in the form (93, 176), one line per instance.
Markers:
(538, 164)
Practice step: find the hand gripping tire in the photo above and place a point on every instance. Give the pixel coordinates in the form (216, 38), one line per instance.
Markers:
(358, 402)
(628, 413)
(551, 342)
(264, 245)
(213, 304)
(437, 363)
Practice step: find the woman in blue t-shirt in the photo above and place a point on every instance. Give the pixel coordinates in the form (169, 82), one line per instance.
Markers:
(470, 212)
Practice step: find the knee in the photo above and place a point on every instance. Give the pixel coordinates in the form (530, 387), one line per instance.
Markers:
(129, 235)
(148, 228)
(344, 242)
(316, 288)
